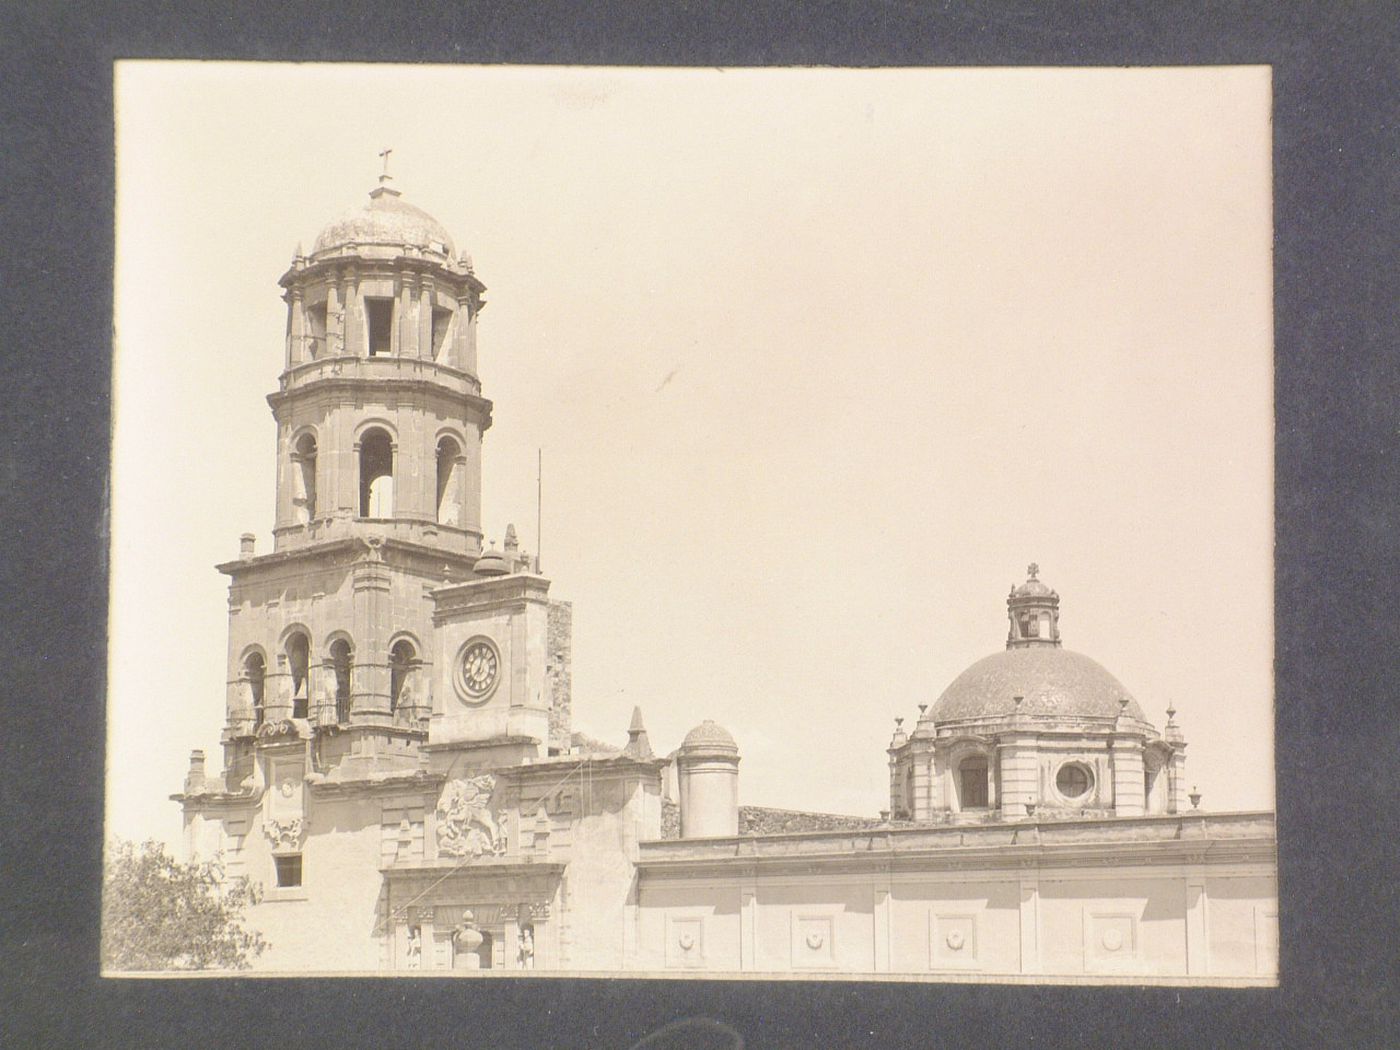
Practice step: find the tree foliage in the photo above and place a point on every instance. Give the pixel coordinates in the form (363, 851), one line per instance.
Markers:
(160, 914)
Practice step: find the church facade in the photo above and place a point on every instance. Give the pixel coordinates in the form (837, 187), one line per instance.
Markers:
(400, 773)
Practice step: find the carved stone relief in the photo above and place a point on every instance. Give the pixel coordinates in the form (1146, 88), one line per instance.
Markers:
(284, 834)
(466, 826)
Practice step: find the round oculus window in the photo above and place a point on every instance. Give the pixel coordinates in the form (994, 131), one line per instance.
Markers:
(1073, 780)
(478, 669)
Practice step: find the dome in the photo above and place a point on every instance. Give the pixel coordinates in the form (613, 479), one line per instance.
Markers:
(386, 218)
(491, 563)
(1033, 587)
(709, 734)
(1054, 682)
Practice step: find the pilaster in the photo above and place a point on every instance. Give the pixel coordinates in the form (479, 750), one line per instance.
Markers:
(425, 318)
(748, 927)
(406, 331)
(1016, 758)
(296, 331)
(369, 696)
(1176, 784)
(1197, 948)
(882, 911)
(1030, 920)
(1129, 787)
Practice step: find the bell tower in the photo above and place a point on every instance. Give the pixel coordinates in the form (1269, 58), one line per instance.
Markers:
(379, 409)
(379, 419)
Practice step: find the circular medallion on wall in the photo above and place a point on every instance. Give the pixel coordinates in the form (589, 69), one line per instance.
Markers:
(478, 669)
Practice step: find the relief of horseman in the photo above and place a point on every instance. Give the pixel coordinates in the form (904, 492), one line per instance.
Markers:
(466, 826)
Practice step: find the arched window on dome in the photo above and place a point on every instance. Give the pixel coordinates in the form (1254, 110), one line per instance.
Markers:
(342, 662)
(298, 665)
(972, 783)
(255, 671)
(401, 661)
(304, 478)
(376, 475)
(449, 507)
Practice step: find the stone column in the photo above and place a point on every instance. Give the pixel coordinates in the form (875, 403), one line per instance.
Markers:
(1177, 788)
(296, 322)
(369, 684)
(425, 318)
(351, 327)
(277, 691)
(405, 338)
(465, 355)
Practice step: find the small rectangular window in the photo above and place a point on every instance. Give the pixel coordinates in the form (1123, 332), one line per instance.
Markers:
(288, 870)
(380, 316)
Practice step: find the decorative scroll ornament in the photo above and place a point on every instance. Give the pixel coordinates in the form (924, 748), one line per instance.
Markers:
(465, 826)
(278, 727)
(284, 834)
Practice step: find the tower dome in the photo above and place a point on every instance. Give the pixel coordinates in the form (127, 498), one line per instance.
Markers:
(709, 735)
(1034, 676)
(1050, 682)
(387, 220)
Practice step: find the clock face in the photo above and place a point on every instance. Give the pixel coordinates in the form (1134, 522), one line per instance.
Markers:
(479, 668)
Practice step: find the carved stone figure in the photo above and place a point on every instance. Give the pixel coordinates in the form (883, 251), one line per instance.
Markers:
(465, 824)
(284, 834)
(526, 954)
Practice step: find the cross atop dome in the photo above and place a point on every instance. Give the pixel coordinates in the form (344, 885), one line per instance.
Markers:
(384, 189)
(1032, 570)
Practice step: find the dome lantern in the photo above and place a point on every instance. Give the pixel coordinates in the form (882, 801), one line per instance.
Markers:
(1033, 610)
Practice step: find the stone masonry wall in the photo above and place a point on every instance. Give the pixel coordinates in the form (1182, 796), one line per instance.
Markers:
(559, 647)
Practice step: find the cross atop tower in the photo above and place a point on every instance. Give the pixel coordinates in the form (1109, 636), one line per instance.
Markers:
(384, 176)
(1032, 569)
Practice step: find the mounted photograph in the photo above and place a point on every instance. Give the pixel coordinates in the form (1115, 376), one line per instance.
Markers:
(804, 524)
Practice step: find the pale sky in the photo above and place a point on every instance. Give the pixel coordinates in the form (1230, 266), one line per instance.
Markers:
(819, 361)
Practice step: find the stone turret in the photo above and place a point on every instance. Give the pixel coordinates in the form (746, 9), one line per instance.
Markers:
(708, 775)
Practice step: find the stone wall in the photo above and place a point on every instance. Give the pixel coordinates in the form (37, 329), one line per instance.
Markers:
(559, 647)
(762, 820)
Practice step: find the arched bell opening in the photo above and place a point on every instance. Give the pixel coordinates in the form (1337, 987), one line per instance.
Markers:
(376, 475)
(449, 470)
(255, 674)
(304, 479)
(298, 650)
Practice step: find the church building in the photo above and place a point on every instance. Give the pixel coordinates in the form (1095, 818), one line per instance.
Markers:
(401, 775)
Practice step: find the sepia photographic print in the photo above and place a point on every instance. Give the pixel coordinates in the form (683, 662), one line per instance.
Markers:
(806, 524)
